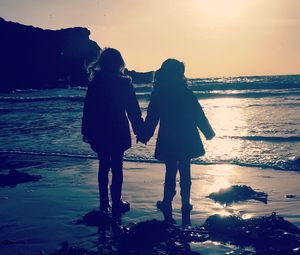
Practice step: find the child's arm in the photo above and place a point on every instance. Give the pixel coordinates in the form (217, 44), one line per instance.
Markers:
(133, 110)
(87, 117)
(152, 118)
(202, 122)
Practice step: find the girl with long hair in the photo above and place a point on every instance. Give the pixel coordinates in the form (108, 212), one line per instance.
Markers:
(110, 101)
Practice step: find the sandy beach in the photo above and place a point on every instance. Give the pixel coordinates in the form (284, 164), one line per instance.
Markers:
(39, 216)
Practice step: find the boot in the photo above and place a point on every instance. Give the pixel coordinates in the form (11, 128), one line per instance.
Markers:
(166, 210)
(186, 215)
(104, 201)
(166, 205)
(118, 205)
(120, 208)
(186, 207)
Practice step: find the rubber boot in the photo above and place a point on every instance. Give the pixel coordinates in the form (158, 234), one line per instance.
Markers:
(103, 193)
(118, 205)
(166, 205)
(186, 207)
(186, 215)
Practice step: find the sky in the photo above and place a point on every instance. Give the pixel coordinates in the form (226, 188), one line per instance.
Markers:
(212, 37)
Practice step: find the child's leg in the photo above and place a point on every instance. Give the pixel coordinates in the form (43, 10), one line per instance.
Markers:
(185, 182)
(104, 166)
(170, 182)
(117, 177)
(185, 191)
(169, 191)
(118, 206)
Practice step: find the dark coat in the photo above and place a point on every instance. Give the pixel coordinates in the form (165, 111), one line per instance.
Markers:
(179, 114)
(110, 99)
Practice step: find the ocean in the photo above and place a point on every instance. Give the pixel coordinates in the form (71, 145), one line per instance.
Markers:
(256, 120)
(257, 125)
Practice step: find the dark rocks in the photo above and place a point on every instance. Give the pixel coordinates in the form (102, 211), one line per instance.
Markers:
(149, 237)
(14, 177)
(96, 219)
(142, 234)
(154, 237)
(268, 235)
(290, 196)
(36, 58)
(66, 249)
(12, 162)
(140, 77)
(237, 193)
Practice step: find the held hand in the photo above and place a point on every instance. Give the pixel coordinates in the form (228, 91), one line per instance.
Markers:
(141, 139)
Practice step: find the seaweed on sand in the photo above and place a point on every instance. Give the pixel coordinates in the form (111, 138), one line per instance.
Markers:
(237, 193)
(267, 235)
(14, 177)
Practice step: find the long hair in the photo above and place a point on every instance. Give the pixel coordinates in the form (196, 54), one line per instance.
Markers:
(93, 67)
(109, 60)
(170, 72)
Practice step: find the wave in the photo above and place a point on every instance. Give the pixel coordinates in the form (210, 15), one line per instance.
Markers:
(247, 82)
(37, 99)
(49, 154)
(258, 94)
(287, 165)
(210, 95)
(146, 93)
(241, 86)
(274, 139)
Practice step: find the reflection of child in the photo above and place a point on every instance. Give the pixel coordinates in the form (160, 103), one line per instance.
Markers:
(105, 125)
(180, 114)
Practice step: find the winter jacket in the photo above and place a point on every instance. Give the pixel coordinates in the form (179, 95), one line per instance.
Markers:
(109, 102)
(180, 115)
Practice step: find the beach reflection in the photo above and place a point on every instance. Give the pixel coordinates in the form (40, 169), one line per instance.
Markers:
(227, 116)
(229, 121)
(220, 180)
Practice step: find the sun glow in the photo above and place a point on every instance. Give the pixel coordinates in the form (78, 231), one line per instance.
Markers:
(222, 8)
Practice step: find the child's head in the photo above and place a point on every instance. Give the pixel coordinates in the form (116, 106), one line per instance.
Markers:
(111, 61)
(171, 70)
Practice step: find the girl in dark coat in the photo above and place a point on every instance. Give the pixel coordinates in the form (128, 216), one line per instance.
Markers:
(109, 102)
(180, 114)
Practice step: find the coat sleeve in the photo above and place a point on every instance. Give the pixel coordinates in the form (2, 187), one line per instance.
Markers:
(133, 110)
(152, 118)
(201, 120)
(88, 111)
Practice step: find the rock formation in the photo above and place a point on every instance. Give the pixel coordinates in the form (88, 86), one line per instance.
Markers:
(36, 58)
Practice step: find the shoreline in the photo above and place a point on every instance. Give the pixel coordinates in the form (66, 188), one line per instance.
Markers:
(41, 214)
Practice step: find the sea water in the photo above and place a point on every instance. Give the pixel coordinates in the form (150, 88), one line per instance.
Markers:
(256, 121)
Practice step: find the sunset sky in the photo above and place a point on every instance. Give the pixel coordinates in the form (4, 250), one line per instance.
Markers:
(213, 37)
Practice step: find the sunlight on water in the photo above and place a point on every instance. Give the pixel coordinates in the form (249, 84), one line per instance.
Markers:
(221, 179)
(260, 130)
(228, 117)
(220, 182)
(247, 216)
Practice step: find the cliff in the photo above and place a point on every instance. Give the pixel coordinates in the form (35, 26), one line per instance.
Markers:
(139, 77)
(36, 58)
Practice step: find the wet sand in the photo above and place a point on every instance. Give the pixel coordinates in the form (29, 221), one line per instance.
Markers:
(40, 215)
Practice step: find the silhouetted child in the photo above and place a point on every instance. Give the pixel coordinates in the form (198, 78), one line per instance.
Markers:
(110, 99)
(174, 105)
